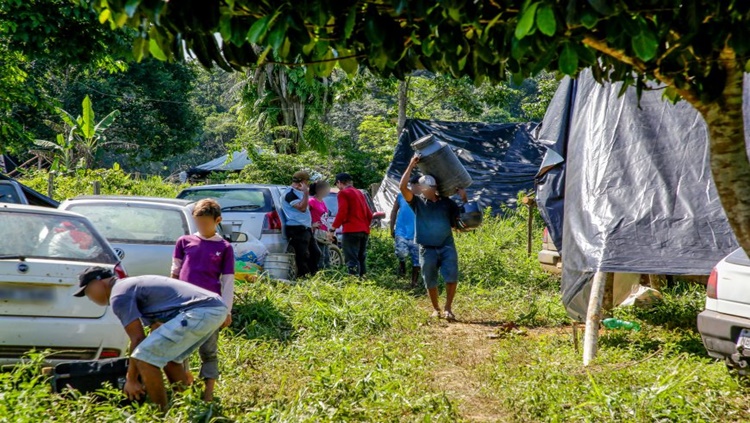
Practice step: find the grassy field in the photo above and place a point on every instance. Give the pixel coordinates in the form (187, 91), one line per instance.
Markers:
(338, 349)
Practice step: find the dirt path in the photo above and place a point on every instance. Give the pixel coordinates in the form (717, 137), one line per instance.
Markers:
(461, 351)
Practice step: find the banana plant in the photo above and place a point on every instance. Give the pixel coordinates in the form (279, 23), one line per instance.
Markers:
(82, 138)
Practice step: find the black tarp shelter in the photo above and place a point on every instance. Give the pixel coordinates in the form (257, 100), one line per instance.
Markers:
(636, 186)
(502, 159)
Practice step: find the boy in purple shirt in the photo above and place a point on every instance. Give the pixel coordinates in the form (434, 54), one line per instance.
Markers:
(206, 260)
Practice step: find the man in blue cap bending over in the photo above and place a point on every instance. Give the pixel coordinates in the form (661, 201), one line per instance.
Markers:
(187, 315)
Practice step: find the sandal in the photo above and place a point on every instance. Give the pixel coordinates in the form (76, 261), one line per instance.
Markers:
(435, 314)
(449, 316)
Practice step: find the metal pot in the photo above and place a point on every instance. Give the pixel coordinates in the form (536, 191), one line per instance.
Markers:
(437, 159)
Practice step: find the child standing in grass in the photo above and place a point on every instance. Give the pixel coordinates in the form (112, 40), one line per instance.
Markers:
(206, 260)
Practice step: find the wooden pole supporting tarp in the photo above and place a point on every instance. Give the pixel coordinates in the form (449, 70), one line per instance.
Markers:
(593, 317)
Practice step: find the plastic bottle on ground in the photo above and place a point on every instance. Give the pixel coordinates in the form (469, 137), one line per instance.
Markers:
(612, 323)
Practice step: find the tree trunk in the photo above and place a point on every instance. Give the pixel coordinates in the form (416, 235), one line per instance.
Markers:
(729, 162)
(403, 98)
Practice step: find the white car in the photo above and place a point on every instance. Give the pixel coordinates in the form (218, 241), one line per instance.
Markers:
(42, 251)
(724, 325)
(144, 230)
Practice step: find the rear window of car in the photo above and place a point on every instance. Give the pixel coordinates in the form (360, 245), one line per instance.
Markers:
(38, 235)
(135, 223)
(8, 194)
(234, 199)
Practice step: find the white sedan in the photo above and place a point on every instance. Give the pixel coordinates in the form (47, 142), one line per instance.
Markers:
(42, 251)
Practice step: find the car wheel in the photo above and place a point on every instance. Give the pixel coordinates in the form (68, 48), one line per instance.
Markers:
(336, 257)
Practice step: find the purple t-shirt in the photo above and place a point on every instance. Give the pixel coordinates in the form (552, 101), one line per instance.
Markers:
(204, 261)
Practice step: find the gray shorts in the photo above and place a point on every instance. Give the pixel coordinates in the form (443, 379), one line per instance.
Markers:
(176, 339)
(442, 260)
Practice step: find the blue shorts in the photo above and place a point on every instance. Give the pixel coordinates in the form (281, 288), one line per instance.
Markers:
(439, 259)
(406, 248)
(178, 338)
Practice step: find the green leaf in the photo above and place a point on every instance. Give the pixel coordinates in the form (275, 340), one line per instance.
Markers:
(277, 35)
(454, 13)
(349, 66)
(106, 122)
(545, 20)
(374, 32)
(155, 50)
(258, 29)
(428, 47)
(588, 20)
(140, 46)
(104, 16)
(526, 22)
(131, 6)
(351, 20)
(225, 27)
(568, 62)
(645, 45)
(602, 6)
(47, 144)
(122, 18)
(87, 127)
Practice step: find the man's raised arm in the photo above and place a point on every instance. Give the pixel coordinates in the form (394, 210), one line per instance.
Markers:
(404, 186)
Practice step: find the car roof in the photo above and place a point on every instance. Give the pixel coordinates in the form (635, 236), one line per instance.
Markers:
(232, 186)
(25, 208)
(131, 198)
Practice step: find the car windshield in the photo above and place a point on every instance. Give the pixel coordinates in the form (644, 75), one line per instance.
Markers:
(234, 199)
(8, 194)
(59, 237)
(131, 223)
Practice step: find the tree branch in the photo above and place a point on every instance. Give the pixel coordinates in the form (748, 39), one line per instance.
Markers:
(600, 45)
(312, 62)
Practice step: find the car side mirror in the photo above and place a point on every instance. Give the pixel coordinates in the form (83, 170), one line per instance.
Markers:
(238, 237)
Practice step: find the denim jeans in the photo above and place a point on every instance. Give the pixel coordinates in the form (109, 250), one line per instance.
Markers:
(325, 256)
(355, 252)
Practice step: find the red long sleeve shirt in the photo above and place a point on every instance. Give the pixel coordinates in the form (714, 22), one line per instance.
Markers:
(354, 214)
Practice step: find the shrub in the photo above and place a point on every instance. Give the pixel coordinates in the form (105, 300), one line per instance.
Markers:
(113, 182)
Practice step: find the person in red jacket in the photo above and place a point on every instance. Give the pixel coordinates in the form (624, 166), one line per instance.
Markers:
(354, 216)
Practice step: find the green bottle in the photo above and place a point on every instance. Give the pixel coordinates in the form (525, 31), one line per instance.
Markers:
(612, 323)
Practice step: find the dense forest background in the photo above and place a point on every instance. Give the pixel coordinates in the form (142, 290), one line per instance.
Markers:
(162, 118)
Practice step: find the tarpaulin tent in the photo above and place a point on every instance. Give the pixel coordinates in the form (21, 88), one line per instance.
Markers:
(236, 163)
(636, 185)
(502, 159)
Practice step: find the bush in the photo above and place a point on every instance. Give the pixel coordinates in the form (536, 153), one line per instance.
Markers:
(113, 182)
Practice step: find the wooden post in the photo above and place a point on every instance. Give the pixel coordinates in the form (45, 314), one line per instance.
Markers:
(50, 184)
(575, 336)
(531, 203)
(608, 301)
(593, 317)
(97, 185)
